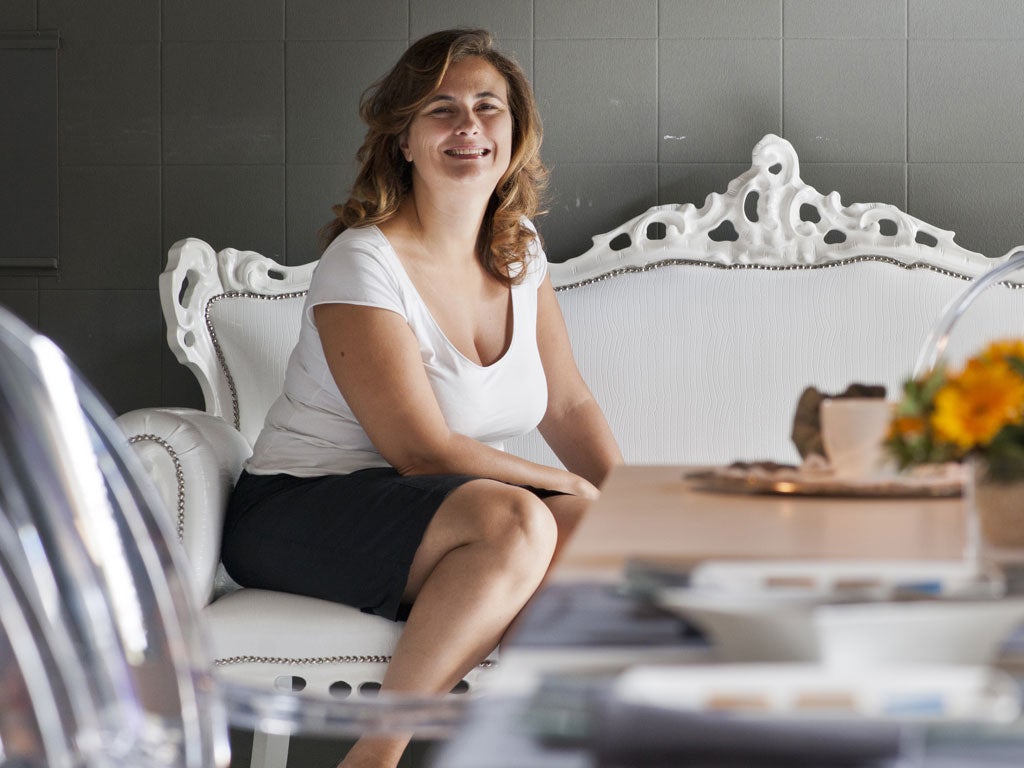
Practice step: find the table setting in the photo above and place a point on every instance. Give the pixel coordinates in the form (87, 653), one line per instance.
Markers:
(864, 607)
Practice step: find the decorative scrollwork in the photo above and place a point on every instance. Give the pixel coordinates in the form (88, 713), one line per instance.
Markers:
(768, 216)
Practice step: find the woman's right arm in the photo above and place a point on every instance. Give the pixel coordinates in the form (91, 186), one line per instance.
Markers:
(375, 361)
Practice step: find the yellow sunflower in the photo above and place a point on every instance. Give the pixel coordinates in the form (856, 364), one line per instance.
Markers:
(1004, 348)
(973, 406)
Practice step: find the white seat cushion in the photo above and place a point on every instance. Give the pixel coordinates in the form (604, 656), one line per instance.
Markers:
(262, 638)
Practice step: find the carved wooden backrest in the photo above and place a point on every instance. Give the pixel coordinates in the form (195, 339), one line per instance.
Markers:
(233, 319)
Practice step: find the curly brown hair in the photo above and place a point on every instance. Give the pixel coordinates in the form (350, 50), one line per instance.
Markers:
(384, 177)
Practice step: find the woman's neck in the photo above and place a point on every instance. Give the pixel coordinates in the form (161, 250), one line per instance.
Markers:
(445, 228)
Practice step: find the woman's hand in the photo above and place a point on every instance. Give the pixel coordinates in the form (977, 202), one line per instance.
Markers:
(584, 488)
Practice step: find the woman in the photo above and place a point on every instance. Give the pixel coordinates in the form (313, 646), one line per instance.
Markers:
(430, 334)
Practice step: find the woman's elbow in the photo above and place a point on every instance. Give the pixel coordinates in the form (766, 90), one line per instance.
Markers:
(421, 458)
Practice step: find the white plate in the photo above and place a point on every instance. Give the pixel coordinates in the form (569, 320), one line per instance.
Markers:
(914, 693)
(851, 579)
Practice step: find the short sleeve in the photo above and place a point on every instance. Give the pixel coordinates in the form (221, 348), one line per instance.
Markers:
(354, 270)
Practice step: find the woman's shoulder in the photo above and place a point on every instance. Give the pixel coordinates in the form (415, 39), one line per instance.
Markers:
(358, 249)
(356, 240)
(357, 264)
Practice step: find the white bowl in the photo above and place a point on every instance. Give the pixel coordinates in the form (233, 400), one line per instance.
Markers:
(751, 627)
(925, 632)
(776, 627)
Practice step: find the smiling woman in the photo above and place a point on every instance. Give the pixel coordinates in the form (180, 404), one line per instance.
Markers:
(430, 335)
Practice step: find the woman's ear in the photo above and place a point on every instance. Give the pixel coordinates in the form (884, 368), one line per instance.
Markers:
(403, 146)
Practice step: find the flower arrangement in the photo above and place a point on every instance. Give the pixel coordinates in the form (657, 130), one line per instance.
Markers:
(976, 411)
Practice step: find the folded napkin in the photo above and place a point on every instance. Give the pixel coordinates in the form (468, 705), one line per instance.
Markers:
(806, 433)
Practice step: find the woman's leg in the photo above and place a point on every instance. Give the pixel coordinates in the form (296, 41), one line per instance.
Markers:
(567, 512)
(482, 557)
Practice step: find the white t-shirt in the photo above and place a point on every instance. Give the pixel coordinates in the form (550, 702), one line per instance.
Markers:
(310, 429)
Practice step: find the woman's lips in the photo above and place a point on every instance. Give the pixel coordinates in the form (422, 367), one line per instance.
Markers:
(467, 152)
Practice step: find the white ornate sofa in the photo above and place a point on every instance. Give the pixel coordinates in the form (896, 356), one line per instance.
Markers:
(697, 329)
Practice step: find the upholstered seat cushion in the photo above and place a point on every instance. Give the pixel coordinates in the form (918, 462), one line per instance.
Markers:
(325, 643)
(255, 628)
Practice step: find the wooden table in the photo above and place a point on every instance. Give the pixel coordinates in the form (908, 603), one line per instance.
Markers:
(652, 512)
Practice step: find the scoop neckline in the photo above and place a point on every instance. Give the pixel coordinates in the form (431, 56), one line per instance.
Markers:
(404, 276)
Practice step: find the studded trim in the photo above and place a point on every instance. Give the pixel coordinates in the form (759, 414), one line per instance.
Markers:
(316, 660)
(179, 475)
(773, 268)
(216, 343)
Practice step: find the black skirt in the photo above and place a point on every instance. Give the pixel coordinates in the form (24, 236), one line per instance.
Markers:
(346, 538)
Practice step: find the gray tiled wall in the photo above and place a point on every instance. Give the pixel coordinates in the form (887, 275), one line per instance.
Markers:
(236, 121)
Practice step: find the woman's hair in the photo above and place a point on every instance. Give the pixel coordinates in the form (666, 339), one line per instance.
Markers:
(385, 177)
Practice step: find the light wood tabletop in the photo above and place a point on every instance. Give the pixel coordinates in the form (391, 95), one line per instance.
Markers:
(654, 513)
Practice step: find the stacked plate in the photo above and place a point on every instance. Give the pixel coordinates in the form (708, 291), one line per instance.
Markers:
(849, 614)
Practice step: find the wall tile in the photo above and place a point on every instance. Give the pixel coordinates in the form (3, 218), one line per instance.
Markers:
(845, 18)
(966, 19)
(178, 387)
(223, 102)
(106, 20)
(222, 20)
(522, 51)
(859, 182)
(680, 183)
(120, 359)
(845, 100)
(23, 304)
(981, 202)
(12, 281)
(554, 19)
(587, 199)
(324, 83)
(720, 18)
(18, 15)
(346, 20)
(109, 103)
(312, 190)
(717, 98)
(109, 228)
(505, 20)
(227, 206)
(985, 125)
(588, 96)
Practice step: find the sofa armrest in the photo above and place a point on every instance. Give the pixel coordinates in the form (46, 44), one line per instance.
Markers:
(193, 459)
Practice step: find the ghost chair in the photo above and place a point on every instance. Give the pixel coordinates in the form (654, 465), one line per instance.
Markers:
(102, 659)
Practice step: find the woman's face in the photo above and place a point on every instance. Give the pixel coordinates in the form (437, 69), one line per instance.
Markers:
(463, 134)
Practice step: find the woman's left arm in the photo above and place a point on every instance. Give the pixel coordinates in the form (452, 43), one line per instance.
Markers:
(573, 424)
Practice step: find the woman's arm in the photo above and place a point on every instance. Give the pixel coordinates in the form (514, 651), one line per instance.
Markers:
(573, 425)
(374, 359)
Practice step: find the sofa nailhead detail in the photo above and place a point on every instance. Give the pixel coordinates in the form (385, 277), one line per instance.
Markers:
(216, 344)
(179, 475)
(771, 268)
(486, 664)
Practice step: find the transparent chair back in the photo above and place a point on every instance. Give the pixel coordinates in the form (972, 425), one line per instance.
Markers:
(102, 660)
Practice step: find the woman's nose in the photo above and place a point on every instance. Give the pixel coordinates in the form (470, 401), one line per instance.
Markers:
(468, 124)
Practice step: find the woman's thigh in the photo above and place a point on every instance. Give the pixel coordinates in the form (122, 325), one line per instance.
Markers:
(350, 539)
(508, 516)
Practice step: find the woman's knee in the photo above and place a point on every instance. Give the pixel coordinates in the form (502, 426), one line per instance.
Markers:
(505, 514)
